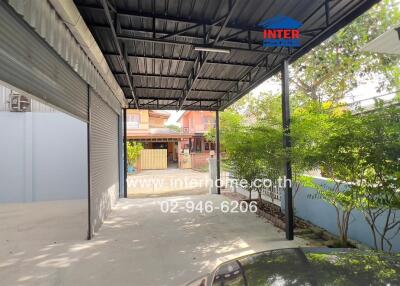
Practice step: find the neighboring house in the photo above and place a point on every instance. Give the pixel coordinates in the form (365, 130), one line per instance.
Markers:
(148, 128)
(185, 149)
(196, 124)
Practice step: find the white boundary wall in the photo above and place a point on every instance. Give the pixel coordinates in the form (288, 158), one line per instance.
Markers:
(43, 156)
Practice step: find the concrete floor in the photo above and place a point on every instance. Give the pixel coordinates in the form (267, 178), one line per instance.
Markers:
(167, 182)
(139, 245)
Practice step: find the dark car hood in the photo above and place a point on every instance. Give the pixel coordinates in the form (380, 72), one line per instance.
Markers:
(310, 266)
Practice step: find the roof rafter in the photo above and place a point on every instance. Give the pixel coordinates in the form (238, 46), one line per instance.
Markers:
(178, 77)
(164, 35)
(202, 58)
(175, 89)
(141, 14)
(258, 49)
(122, 52)
(181, 59)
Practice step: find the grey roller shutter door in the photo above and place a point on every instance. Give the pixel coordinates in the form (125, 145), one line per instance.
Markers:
(104, 167)
(29, 64)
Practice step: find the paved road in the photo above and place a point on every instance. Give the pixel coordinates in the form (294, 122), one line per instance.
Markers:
(140, 245)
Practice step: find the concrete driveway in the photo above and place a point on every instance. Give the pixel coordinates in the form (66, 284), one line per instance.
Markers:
(140, 245)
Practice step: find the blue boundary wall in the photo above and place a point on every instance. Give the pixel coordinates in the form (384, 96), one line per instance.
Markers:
(309, 206)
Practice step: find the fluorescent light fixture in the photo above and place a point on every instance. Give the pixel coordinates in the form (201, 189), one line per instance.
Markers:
(213, 50)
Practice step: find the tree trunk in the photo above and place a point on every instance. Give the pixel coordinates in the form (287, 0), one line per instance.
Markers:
(371, 223)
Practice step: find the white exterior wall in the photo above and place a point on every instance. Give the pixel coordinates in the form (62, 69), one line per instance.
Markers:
(43, 156)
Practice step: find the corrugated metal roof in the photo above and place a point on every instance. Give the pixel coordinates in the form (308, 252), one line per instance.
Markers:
(42, 17)
(157, 40)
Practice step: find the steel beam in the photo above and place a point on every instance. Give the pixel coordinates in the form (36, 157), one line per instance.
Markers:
(211, 107)
(176, 98)
(258, 49)
(203, 57)
(178, 77)
(289, 215)
(171, 103)
(327, 13)
(180, 32)
(175, 89)
(218, 151)
(238, 91)
(149, 15)
(122, 52)
(180, 59)
(125, 156)
(163, 35)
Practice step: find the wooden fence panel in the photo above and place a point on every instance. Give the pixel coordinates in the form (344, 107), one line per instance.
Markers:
(151, 159)
(184, 161)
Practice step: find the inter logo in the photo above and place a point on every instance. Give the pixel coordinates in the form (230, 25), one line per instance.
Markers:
(281, 31)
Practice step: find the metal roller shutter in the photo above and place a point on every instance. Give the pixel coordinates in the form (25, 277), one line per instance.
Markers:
(104, 166)
(29, 64)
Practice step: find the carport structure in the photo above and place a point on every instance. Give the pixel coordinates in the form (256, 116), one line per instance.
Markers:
(159, 54)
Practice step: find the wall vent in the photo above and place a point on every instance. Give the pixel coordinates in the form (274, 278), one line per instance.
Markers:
(19, 103)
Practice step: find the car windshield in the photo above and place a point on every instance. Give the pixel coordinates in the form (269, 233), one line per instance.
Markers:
(311, 267)
(277, 267)
(344, 267)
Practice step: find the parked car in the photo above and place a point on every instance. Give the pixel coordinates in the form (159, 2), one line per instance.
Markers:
(307, 266)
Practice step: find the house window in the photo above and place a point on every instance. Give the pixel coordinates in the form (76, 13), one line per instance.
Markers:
(208, 122)
(133, 121)
(206, 146)
(191, 123)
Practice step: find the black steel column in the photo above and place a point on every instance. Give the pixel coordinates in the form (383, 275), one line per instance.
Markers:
(218, 147)
(287, 145)
(89, 178)
(125, 158)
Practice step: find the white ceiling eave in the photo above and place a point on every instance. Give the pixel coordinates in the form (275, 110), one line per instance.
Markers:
(387, 43)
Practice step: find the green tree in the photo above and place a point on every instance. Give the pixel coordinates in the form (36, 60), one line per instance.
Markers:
(133, 152)
(334, 148)
(360, 156)
(380, 187)
(254, 151)
(336, 67)
(173, 127)
(262, 118)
